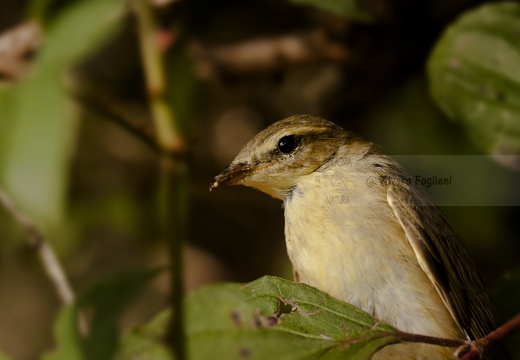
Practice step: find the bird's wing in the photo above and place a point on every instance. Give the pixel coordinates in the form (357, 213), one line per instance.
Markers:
(444, 259)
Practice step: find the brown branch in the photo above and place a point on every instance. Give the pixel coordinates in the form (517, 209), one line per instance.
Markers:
(47, 256)
(466, 350)
(478, 347)
(267, 54)
(501, 332)
(415, 338)
(162, 3)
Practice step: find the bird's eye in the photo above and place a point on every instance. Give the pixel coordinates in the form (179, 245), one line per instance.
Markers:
(287, 144)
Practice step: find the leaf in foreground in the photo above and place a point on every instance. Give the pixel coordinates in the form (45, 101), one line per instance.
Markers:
(269, 318)
(272, 317)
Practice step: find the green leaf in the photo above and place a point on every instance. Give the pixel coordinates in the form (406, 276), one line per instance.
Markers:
(349, 9)
(78, 30)
(37, 124)
(36, 147)
(65, 332)
(146, 341)
(108, 299)
(4, 356)
(270, 318)
(104, 302)
(475, 76)
(275, 318)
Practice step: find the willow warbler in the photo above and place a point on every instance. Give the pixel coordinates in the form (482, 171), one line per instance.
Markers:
(356, 229)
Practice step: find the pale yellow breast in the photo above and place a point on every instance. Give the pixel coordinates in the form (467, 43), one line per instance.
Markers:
(346, 241)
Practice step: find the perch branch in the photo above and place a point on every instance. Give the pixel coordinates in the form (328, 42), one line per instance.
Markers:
(480, 345)
(466, 350)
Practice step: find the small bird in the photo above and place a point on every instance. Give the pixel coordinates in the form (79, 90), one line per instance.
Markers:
(358, 229)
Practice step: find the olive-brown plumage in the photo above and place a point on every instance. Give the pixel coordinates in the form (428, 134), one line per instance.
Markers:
(357, 230)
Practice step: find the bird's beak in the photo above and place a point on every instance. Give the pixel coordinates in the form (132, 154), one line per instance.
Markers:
(231, 175)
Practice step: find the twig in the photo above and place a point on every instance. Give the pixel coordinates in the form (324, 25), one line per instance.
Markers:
(479, 346)
(46, 253)
(173, 196)
(92, 104)
(48, 257)
(168, 133)
(173, 169)
(162, 3)
(415, 338)
(466, 350)
(267, 54)
(501, 332)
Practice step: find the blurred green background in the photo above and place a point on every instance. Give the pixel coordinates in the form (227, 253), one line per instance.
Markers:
(233, 68)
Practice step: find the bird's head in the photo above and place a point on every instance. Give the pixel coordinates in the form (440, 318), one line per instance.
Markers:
(277, 158)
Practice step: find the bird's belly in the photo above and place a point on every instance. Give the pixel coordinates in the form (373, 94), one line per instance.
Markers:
(360, 254)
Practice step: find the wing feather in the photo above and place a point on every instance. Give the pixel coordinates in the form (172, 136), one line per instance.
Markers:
(444, 259)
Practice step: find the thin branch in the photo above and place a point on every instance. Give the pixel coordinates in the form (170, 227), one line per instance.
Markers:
(466, 350)
(114, 116)
(167, 130)
(47, 256)
(162, 3)
(173, 168)
(267, 54)
(478, 347)
(415, 338)
(55, 272)
(501, 332)
(173, 187)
